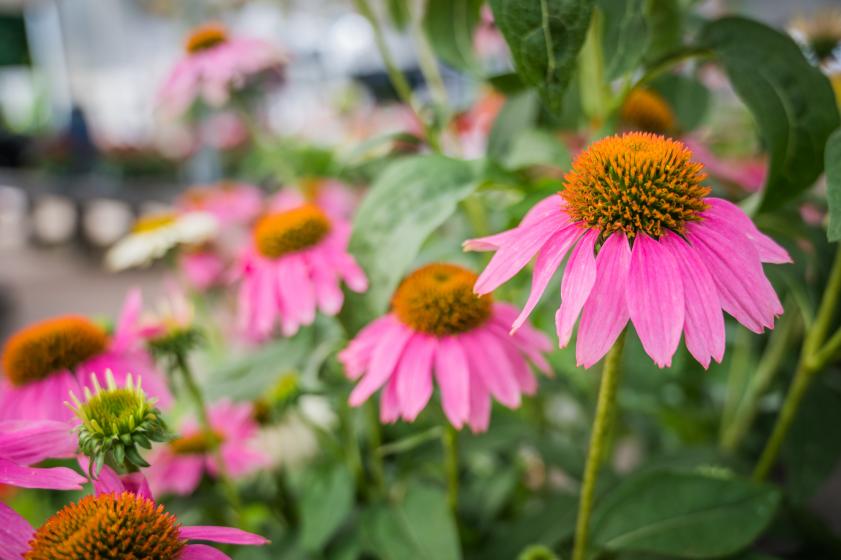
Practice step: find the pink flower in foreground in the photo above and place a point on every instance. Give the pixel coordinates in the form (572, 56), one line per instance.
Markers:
(45, 361)
(647, 245)
(119, 512)
(178, 466)
(214, 65)
(293, 265)
(438, 328)
(24, 443)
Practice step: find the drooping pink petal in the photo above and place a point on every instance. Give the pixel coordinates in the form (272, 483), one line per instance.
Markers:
(414, 375)
(15, 534)
(519, 366)
(654, 294)
(202, 552)
(452, 374)
(578, 280)
(389, 402)
(547, 207)
(227, 535)
(548, 260)
(724, 211)
(704, 322)
(480, 403)
(29, 442)
(56, 478)
(383, 361)
(489, 362)
(516, 254)
(357, 355)
(606, 312)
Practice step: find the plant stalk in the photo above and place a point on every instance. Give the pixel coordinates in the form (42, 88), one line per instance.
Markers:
(449, 442)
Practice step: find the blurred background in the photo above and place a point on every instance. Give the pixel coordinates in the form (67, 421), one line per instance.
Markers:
(84, 148)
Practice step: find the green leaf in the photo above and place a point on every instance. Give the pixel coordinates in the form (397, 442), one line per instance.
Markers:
(411, 198)
(683, 514)
(623, 39)
(399, 13)
(537, 147)
(518, 114)
(665, 24)
(326, 501)
(420, 528)
(687, 97)
(450, 25)
(544, 37)
(833, 184)
(792, 101)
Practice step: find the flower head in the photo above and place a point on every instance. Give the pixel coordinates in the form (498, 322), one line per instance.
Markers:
(155, 235)
(645, 244)
(116, 421)
(438, 328)
(647, 111)
(293, 265)
(44, 362)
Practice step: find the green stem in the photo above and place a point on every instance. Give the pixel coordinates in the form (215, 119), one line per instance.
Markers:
(376, 458)
(829, 303)
(449, 442)
(598, 445)
(428, 64)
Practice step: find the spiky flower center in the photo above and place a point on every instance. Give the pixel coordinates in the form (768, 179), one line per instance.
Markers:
(206, 37)
(199, 443)
(438, 299)
(293, 230)
(636, 182)
(153, 222)
(108, 526)
(51, 346)
(646, 110)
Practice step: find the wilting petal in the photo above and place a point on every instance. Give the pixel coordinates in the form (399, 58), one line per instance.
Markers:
(654, 294)
(704, 322)
(227, 535)
(606, 313)
(414, 375)
(383, 361)
(579, 277)
(15, 534)
(724, 211)
(453, 376)
(202, 552)
(56, 478)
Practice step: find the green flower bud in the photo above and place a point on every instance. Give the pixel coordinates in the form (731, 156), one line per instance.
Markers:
(116, 421)
(537, 552)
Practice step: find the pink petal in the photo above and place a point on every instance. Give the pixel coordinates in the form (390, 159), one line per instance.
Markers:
(606, 313)
(546, 208)
(57, 478)
(724, 211)
(578, 280)
(480, 404)
(126, 331)
(202, 552)
(489, 362)
(516, 254)
(383, 361)
(15, 534)
(414, 375)
(389, 403)
(30, 442)
(548, 260)
(654, 294)
(357, 356)
(704, 323)
(227, 535)
(452, 374)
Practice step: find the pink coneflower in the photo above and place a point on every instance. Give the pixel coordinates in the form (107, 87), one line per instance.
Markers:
(215, 64)
(125, 514)
(45, 361)
(178, 466)
(24, 443)
(647, 245)
(747, 173)
(293, 265)
(231, 203)
(437, 327)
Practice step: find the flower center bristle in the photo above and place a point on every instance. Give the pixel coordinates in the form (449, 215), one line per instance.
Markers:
(293, 230)
(636, 182)
(647, 111)
(108, 526)
(199, 443)
(438, 299)
(206, 37)
(51, 346)
(152, 222)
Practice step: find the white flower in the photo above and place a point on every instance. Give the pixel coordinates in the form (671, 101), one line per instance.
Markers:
(153, 236)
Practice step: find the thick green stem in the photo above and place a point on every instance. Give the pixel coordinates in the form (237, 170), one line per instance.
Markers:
(449, 442)
(598, 445)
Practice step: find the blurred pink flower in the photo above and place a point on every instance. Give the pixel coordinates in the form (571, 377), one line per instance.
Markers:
(24, 443)
(669, 257)
(334, 197)
(748, 174)
(177, 467)
(438, 328)
(231, 203)
(203, 268)
(45, 361)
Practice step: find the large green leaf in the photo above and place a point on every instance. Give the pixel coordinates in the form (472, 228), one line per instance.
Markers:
(450, 25)
(410, 199)
(683, 514)
(544, 37)
(833, 184)
(325, 502)
(623, 39)
(420, 528)
(665, 25)
(792, 101)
